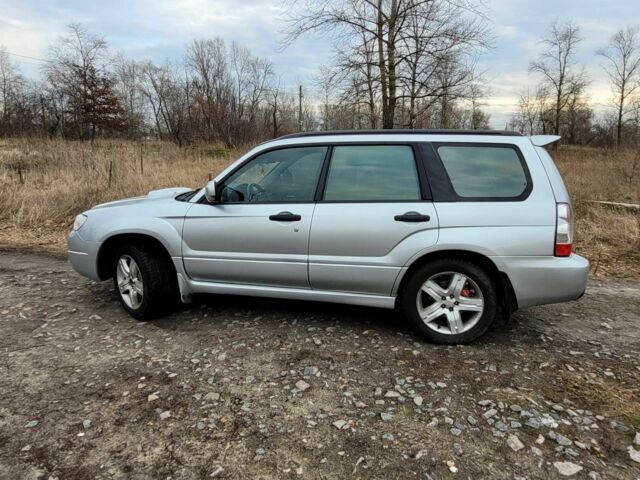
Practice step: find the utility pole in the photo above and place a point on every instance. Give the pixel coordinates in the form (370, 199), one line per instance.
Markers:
(300, 108)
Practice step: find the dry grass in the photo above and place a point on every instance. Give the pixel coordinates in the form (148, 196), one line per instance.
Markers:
(609, 236)
(607, 398)
(44, 184)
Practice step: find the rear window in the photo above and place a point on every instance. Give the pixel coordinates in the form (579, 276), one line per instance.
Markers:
(478, 171)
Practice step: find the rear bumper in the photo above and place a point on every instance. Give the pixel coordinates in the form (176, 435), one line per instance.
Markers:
(83, 255)
(543, 280)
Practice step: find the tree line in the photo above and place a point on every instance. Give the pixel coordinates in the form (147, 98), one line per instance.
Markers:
(559, 104)
(395, 64)
(218, 92)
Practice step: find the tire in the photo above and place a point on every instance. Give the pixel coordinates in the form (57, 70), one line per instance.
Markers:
(454, 323)
(159, 284)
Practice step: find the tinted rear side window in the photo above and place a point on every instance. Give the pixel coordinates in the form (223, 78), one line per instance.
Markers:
(372, 173)
(484, 171)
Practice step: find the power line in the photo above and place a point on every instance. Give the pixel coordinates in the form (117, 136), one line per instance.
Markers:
(27, 56)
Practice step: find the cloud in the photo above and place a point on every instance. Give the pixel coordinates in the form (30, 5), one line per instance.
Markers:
(161, 29)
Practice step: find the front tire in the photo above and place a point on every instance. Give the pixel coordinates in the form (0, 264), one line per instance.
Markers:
(449, 301)
(145, 282)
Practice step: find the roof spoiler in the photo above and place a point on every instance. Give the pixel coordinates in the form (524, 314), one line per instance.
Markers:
(543, 140)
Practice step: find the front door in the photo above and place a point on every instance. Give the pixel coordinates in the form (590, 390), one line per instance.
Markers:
(258, 232)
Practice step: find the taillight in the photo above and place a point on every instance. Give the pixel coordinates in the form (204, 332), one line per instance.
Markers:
(564, 230)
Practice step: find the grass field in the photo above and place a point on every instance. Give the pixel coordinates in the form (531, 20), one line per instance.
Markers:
(44, 184)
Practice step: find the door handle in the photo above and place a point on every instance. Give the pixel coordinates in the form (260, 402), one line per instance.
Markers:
(412, 217)
(285, 217)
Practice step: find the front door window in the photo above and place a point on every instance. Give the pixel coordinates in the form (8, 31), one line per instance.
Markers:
(287, 175)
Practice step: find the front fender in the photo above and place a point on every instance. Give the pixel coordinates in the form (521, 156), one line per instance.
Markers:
(162, 221)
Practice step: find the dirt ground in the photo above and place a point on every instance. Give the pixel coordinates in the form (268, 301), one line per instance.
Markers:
(247, 388)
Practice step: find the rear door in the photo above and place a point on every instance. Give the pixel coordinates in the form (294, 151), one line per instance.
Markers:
(373, 214)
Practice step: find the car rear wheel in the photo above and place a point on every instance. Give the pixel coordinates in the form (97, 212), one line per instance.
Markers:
(450, 301)
(145, 283)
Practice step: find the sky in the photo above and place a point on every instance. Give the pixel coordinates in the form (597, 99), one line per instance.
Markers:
(161, 29)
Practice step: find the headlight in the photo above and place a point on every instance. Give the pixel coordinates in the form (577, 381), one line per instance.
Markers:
(79, 221)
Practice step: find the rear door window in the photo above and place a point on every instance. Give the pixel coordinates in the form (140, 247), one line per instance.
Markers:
(366, 173)
(478, 171)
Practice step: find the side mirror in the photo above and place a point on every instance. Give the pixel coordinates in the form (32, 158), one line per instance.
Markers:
(210, 192)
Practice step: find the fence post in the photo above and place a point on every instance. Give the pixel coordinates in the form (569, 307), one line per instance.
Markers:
(110, 172)
(141, 160)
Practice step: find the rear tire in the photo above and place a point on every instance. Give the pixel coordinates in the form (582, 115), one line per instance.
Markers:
(144, 281)
(449, 301)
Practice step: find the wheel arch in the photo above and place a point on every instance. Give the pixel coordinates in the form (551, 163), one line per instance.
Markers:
(507, 300)
(109, 248)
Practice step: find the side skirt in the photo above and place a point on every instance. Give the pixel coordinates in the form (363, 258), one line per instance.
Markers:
(281, 292)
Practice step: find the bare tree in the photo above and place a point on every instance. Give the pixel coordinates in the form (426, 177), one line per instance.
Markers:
(208, 65)
(78, 72)
(558, 69)
(478, 92)
(622, 57)
(128, 77)
(9, 80)
(163, 89)
(532, 114)
(396, 40)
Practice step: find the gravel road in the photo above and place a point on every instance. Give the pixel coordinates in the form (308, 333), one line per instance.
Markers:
(234, 387)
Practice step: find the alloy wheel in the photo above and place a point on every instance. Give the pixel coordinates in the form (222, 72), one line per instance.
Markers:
(450, 303)
(130, 285)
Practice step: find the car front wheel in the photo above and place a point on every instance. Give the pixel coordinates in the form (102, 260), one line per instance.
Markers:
(145, 283)
(450, 301)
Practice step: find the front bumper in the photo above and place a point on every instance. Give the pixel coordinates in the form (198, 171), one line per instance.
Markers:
(543, 280)
(83, 255)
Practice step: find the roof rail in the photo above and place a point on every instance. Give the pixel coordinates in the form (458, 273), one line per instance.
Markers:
(401, 132)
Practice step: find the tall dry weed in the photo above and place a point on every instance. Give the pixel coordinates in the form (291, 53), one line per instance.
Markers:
(45, 183)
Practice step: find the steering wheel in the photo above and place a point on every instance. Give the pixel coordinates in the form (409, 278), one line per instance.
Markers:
(254, 191)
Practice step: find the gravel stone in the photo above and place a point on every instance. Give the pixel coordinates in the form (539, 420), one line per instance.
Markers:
(340, 424)
(386, 416)
(211, 397)
(421, 453)
(534, 423)
(490, 413)
(562, 440)
(514, 443)
(302, 385)
(567, 469)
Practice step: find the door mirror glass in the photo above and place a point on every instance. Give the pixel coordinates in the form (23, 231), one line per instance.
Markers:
(210, 192)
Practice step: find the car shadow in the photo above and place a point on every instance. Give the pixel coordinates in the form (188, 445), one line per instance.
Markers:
(386, 322)
(277, 310)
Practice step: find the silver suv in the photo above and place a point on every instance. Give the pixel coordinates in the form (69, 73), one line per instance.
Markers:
(452, 228)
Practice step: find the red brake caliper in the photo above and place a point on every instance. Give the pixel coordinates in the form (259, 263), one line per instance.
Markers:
(465, 292)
